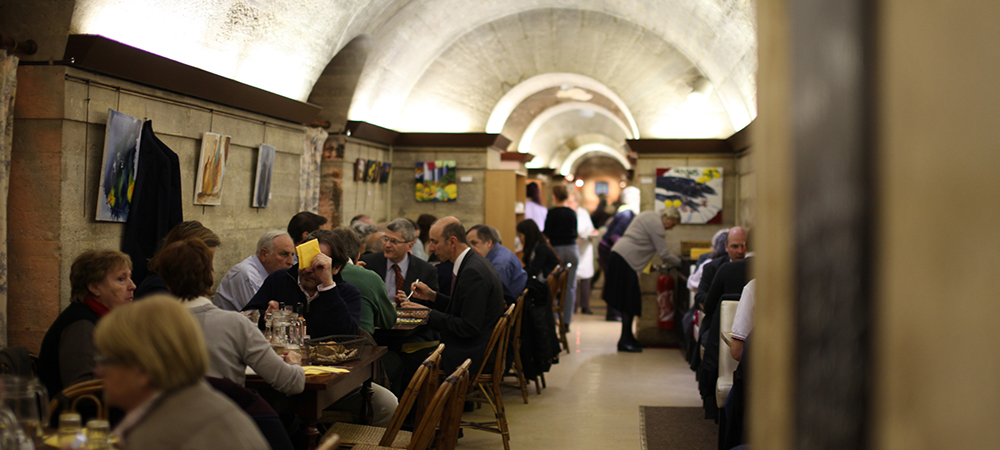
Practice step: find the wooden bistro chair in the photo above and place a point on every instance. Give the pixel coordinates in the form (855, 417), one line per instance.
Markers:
(71, 396)
(392, 436)
(557, 284)
(445, 398)
(488, 384)
(514, 344)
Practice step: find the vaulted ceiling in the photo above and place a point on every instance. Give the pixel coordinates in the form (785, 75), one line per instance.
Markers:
(555, 76)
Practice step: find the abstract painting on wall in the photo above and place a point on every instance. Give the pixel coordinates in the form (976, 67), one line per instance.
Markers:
(211, 168)
(359, 169)
(386, 168)
(118, 167)
(436, 181)
(265, 169)
(373, 171)
(695, 191)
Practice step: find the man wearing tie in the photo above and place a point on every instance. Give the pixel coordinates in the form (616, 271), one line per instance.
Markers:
(395, 265)
(466, 318)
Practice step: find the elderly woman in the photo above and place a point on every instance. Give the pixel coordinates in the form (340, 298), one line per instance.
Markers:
(233, 341)
(644, 238)
(100, 281)
(152, 358)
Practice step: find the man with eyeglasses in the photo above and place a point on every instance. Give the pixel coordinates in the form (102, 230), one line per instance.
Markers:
(397, 267)
(275, 251)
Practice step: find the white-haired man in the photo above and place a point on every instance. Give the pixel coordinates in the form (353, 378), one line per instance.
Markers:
(275, 251)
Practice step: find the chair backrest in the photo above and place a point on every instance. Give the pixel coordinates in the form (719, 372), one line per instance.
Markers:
(409, 396)
(561, 282)
(451, 418)
(499, 334)
(515, 323)
(727, 364)
(15, 360)
(71, 396)
(425, 430)
(555, 286)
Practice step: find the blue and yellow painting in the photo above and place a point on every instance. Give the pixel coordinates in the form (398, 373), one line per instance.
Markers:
(118, 167)
(695, 191)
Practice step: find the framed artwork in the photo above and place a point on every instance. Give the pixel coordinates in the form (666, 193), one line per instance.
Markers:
(118, 166)
(265, 169)
(436, 181)
(211, 168)
(601, 187)
(695, 191)
(386, 167)
(373, 171)
(359, 169)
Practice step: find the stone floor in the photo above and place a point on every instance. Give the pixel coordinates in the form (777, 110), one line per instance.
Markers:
(593, 395)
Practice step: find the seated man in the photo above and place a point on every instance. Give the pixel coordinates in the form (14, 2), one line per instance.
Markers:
(466, 318)
(743, 322)
(329, 305)
(485, 240)
(274, 252)
(302, 224)
(394, 264)
(377, 310)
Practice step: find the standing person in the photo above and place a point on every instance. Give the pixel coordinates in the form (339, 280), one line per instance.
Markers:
(561, 229)
(629, 208)
(533, 208)
(645, 237)
(585, 270)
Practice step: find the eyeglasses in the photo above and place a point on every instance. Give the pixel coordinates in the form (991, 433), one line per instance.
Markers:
(389, 240)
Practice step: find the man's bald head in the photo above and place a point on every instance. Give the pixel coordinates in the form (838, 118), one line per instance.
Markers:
(447, 238)
(736, 243)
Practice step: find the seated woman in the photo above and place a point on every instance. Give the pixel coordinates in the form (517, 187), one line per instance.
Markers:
(100, 281)
(233, 341)
(191, 229)
(539, 258)
(153, 361)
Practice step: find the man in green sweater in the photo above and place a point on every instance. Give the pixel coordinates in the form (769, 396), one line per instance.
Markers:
(377, 310)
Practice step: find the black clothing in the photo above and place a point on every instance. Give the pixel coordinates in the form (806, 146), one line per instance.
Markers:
(335, 312)
(467, 317)
(560, 226)
(542, 261)
(707, 275)
(621, 286)
(152, 284)
(48, 357)
(729, 281)
(156, 201)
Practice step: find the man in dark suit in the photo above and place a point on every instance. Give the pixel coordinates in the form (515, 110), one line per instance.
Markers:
(466, 318)
(729, 281)
(396, 265)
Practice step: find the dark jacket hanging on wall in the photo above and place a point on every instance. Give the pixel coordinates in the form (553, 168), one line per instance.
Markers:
(156, 201)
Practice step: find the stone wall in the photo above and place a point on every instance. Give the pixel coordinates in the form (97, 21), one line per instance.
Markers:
(59, 128)
(471, 162)
(645, 173)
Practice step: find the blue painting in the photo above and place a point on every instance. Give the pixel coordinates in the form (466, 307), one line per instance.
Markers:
(695, 191)
(118, 167)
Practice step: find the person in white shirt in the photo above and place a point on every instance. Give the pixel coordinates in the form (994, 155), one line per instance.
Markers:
(275, 251)
(585, 269)
(743, 321)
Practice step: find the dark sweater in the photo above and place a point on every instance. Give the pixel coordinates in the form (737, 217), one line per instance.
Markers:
(335, 312)
(560, 226)
(49, 365)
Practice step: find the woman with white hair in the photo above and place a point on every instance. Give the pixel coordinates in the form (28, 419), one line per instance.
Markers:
(152, 358)
(644, 238)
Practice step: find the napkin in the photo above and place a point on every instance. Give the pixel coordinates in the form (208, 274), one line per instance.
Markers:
(307, 251)
(322, 370)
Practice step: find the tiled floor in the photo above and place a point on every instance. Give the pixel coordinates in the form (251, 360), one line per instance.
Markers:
(593, 395)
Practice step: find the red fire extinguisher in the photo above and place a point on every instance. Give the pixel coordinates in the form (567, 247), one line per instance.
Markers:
(665, 300)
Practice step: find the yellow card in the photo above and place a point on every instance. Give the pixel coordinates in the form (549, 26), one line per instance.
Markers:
(307, 251)
(321, 370)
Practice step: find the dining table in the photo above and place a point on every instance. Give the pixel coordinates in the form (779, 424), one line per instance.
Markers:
(322, 390)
